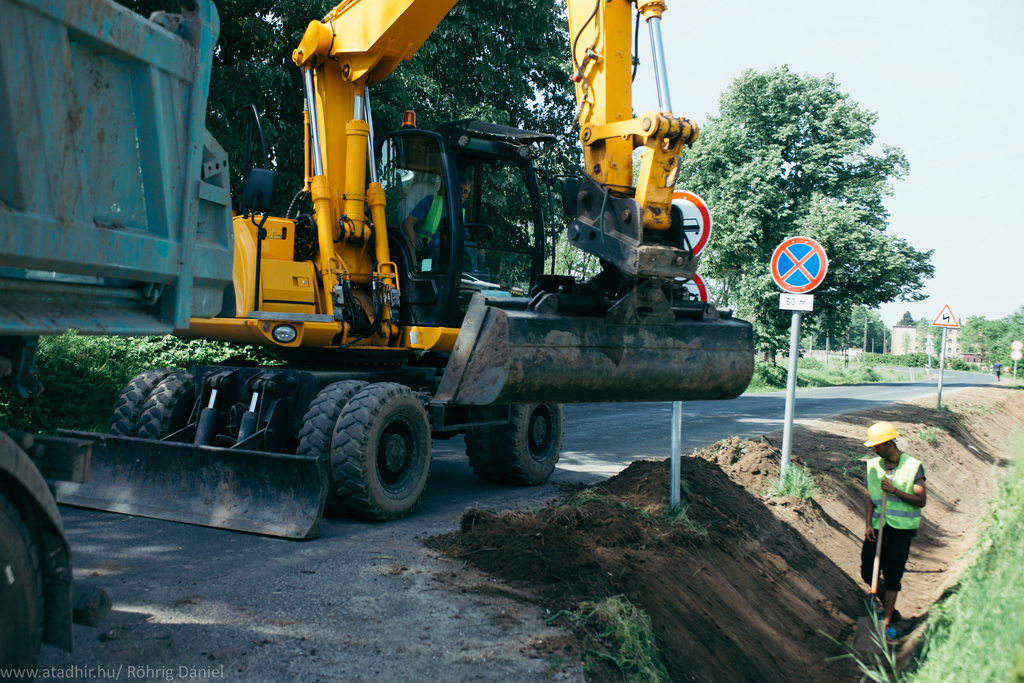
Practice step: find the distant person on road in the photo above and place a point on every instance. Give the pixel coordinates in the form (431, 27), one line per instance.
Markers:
(998, 367)
(900, 477)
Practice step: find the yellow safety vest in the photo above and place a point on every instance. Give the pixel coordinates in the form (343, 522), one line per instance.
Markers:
(898, 513)
(432, 220)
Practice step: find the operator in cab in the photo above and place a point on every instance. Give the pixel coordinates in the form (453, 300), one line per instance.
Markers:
(421, 227)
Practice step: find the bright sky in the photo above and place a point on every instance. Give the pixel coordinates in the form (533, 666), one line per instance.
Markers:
(947, 81)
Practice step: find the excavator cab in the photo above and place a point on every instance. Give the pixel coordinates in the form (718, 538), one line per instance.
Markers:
(491, 242)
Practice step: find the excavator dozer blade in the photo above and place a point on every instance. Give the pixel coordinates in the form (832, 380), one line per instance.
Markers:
(512, 355)
(252, 491)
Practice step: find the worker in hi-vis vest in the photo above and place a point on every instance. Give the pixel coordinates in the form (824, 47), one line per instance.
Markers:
(422, 226)
(900, 477)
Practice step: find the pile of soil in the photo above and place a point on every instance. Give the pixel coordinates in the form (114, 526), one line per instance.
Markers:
(742, 587)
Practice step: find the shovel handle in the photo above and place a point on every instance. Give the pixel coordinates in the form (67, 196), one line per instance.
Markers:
(878, 545)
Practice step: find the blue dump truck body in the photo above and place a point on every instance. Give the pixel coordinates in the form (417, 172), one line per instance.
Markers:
(115, 213)
(115, 218)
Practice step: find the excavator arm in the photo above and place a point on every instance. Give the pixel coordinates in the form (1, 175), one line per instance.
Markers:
(640, 234)
(632, 323)
(405, 340)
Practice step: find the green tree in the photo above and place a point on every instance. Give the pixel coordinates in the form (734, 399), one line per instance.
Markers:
(907, 319)
(855, 337)
(925, 331)
(790, 155)
(491, 59)
(992, 338)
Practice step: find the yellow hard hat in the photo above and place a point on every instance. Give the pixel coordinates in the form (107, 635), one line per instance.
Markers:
(880, 432)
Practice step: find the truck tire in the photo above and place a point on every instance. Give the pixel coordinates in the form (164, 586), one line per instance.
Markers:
(21, 591)
(168, 407)
(318, 427)
(380, 452)
(482, 449)
(528, 447)
(125, 420)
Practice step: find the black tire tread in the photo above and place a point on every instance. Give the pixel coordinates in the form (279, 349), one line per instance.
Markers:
(318, 428)
(481, 448)
(23, 653)
(132, 399)
(349, 449)
(512, 448)
(164, 405)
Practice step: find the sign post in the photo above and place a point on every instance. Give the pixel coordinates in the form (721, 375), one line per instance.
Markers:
(1016, 356)
(929, 349)
(945, 319)
(799, 265)
(696, 225)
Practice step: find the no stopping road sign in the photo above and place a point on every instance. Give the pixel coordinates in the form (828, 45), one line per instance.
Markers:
(799, 265)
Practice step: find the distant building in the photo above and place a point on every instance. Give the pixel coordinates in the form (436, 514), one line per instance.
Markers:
(905, 340)
(972, 357)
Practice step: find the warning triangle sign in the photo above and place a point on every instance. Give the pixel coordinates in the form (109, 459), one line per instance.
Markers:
(945, 318)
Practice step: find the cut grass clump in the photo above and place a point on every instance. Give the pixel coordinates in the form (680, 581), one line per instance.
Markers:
(599, 495)
(928, 435)
(678, 516)
(616, 634)
(797, 482)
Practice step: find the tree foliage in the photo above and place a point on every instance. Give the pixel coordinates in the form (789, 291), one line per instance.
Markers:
(992, 338)
(876, 334)
(790, 155)
(502, 61)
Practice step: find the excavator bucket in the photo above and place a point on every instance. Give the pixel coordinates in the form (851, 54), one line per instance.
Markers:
(251, 491)
(506, 353)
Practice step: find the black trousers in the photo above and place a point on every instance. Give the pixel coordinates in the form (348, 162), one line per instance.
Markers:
(895, 550)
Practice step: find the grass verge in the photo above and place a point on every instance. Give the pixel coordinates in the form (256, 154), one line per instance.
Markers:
(811, 373)
(976, 635)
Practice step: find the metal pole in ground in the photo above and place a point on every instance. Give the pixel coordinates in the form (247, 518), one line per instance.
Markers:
(677, 444)
(787, 430)
(942, 368)
(1014, 372)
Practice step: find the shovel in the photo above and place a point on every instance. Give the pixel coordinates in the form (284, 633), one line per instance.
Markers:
(867, 625)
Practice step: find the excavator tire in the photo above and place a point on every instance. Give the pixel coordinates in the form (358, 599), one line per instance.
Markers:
(318, 427)
(168, 407)
(481, 448)
(380, 452)
(527, 448)
(21, 592)
(125, 420)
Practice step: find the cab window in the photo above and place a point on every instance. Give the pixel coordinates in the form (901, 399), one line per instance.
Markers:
(410, 171)
(499, 239)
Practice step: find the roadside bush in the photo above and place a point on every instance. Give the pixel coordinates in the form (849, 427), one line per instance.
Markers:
(768, 375)
(910, 360)
(868, 374)
(959, 364)
(809, 364)
(83, 376)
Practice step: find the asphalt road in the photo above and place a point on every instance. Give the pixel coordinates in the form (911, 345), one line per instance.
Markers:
(368, 602)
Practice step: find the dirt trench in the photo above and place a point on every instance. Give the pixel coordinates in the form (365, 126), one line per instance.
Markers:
(753, 589)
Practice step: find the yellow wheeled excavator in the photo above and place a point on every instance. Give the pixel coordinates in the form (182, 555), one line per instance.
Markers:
(410, 301)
